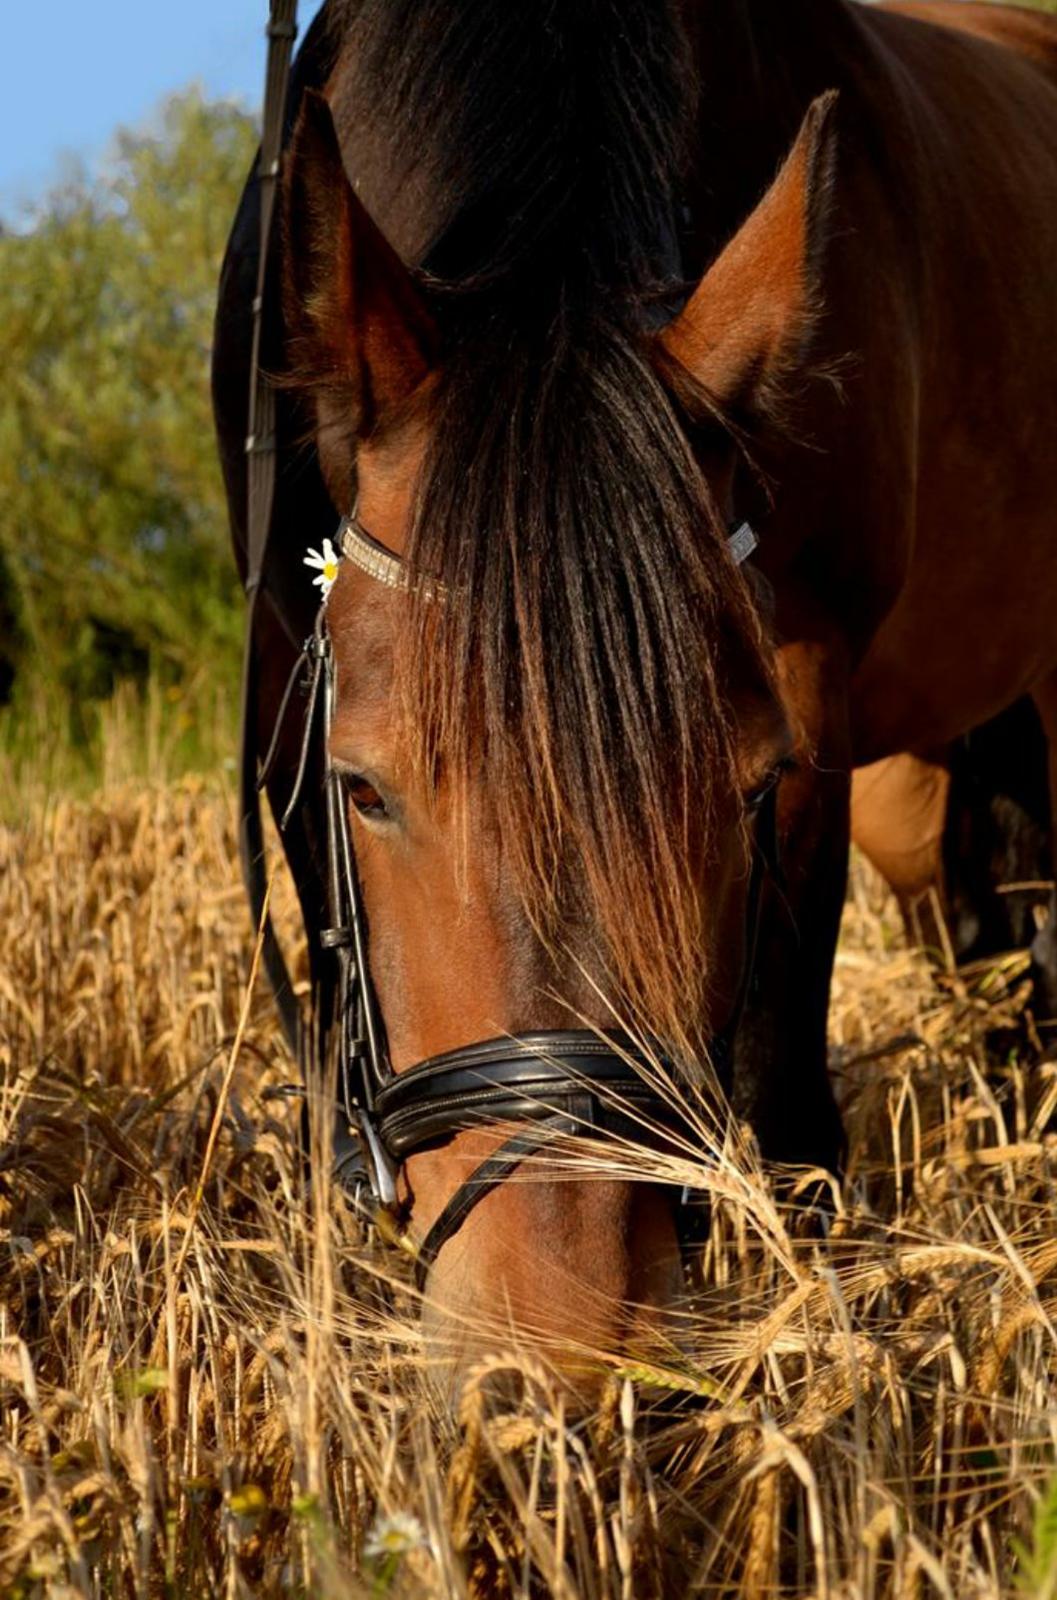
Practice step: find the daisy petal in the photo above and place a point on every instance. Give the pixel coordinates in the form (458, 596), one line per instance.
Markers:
(326, 563)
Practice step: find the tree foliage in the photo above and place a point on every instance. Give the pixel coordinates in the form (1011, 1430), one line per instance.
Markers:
(114, 552)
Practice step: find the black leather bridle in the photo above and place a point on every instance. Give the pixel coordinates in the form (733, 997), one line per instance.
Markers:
(562, 1082)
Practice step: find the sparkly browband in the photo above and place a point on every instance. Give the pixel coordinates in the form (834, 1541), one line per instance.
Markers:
(357, 546)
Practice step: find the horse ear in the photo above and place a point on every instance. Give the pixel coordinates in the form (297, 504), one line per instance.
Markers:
(359, 327)
(749, 318)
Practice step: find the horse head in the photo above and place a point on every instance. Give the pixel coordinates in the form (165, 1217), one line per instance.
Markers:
(555, 717)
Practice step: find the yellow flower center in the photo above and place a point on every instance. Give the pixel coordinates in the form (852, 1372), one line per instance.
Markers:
(330, 570)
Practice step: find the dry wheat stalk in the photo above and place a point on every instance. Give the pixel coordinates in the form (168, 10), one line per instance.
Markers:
(245, 1408)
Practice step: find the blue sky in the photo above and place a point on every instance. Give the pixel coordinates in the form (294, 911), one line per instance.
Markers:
(74, 70)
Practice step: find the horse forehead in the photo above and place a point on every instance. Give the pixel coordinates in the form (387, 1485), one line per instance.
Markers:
(362, 619)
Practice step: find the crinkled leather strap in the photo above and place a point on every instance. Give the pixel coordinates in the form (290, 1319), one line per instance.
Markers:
(593, 1082)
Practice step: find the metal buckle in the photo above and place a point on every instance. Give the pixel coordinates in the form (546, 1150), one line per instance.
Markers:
(382, 1170)
(353, 1177)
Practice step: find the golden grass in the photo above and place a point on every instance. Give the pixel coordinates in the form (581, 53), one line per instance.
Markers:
(244, 1409)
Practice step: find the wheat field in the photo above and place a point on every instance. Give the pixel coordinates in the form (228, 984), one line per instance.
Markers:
(211, 1381)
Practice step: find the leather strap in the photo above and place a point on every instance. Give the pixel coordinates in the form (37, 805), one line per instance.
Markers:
(260, 496)
(488, 1176)
(252, 851)
(260, 436)
(594, 1083)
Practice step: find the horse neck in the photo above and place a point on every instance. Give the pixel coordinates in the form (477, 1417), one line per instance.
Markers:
(759, 64)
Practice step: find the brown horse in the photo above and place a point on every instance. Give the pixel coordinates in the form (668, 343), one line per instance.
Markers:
(568, 290)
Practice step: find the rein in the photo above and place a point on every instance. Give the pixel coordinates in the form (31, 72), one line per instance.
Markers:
(260, 498)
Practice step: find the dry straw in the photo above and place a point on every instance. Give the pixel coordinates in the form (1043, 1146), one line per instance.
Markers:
(244, 1408)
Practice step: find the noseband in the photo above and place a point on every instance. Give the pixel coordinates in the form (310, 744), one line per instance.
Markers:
(550, 1084)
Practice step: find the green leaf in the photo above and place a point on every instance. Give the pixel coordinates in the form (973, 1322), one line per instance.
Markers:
(140, 1384)
(1037, 1575)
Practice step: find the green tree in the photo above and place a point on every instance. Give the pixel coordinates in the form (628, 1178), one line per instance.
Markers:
(113, 531)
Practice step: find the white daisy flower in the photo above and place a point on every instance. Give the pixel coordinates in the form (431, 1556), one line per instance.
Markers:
(325, 565)
(394, 1536)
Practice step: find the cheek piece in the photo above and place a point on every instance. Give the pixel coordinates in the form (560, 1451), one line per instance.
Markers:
(551, 1084)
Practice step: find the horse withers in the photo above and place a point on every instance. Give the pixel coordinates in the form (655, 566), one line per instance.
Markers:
(568, 295)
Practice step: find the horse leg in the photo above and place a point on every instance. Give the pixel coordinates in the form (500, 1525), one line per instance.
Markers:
(780, 1081)
(899, 810)
(998, 841)
(950, 832)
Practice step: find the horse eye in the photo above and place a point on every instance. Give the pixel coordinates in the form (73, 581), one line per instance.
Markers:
(365, 796)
